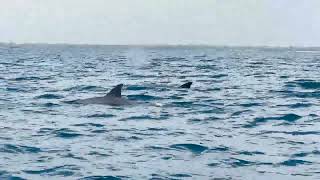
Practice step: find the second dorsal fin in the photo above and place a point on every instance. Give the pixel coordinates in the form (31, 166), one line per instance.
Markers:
(186, 85)
(116, 91)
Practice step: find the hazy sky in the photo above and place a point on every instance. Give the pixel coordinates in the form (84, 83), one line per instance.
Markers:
(216, 22)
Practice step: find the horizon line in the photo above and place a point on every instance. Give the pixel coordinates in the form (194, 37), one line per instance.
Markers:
(163, 45)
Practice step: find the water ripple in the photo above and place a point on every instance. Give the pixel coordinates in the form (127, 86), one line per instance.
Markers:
(194, 148)
(260, 120)
(49, 96)
(10, 148)
(103, 178)
(65, 170)
(66, 133)
(294, 162)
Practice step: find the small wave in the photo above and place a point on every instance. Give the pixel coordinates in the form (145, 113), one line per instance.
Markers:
(30, 78)
(180, 175)
(138, 76)
(259, 120)
(206, 67)
(17, 89)
(298, 94)
(304, 83)
(200, 56)
(157, 129)
(89, 125)
(143, 97)
(70, 155)
(294, 133)
(185, 104)
(71, 102)
(103, 178)
(203, 120)
(220, 149)
(66, 170)
(294, 162)
(173, 59)
(166, 158)
(250, 104)
(251, 153)
(95, 153)
(194, 148)
(176, 133)
(213, 164)
(237, 113)
(15, 149)
(289, 117)
(304, 154)
(99, 131)
(207, 60)
(137, 88)
(252, 66)
(124, 138)
(309, 84)
(100, 116)
(45, 130)
(156, 148)
(143, 117)
(158, 177)
(284, 77)
(49, 96)
(218, 76)
(82, 88)
(257, 63)
(66, 133)
(234, 162)
(299, 105)
(51, 105)
(8, 176)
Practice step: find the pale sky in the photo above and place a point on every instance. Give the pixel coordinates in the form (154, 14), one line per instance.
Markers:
(211, 22)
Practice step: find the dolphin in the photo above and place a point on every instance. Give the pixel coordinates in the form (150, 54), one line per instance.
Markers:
(186, 85)
(114, 98)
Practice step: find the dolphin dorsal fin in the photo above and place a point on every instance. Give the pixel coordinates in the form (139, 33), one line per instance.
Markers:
(186, 85)
(116, 91)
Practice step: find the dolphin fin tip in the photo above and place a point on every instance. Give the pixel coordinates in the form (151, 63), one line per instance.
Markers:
(116, 91)
(186, 85)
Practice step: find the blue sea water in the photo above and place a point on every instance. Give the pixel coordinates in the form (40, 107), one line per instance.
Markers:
(252, 113)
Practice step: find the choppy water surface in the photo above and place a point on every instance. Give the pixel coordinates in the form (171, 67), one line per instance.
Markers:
(252, 113)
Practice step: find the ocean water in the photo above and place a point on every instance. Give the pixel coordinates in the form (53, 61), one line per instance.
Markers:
(252, 113)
